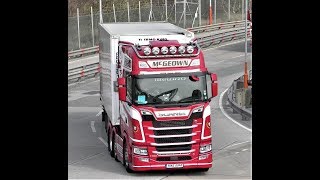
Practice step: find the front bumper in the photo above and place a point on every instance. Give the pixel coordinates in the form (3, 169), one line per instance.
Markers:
(195, 163)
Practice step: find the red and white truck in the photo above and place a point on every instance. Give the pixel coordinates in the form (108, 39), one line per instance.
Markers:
(155, 92)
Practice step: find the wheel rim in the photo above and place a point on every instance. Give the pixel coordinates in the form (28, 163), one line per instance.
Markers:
(110, 144)
(126, 156)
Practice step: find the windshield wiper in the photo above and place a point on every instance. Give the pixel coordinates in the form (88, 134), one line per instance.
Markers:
(172, 93)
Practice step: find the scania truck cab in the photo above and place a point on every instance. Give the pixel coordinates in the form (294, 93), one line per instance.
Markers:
(155, 93)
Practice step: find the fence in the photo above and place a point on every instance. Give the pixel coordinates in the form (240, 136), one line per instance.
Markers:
(80, 69)
(83, 29)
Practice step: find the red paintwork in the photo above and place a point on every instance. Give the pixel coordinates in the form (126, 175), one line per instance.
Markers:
(126, 129)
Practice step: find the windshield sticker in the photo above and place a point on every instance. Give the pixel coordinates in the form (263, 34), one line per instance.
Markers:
(171, 79)
(141, 99)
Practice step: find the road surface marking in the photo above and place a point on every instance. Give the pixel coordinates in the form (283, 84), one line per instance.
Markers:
(237, 56)
(99, 113)
(236, 144)
(92, 127)
(236, 152)
(244, 149)
(102, 140)
(220, 105)
(89, 157)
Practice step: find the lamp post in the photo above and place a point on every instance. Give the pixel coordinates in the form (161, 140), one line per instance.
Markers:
(245, 76)
(210, 13)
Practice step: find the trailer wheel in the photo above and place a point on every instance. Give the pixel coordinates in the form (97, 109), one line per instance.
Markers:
(108, 140)
(111, 144)
(126, 157)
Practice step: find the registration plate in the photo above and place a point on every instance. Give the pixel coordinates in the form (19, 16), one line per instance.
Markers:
(174, 165)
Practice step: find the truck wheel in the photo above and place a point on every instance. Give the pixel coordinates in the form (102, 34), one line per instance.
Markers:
(108, 140)
(103, 116)
(111, 144)
(115, 155)
(203, 170)
(126, 157)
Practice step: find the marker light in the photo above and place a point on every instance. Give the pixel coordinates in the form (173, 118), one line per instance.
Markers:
(155, 50)
(164, 50)
(195, 62)
(143, 64)
(173, 49)
(147, 51)
(182, 49)
(190, 49)
(188, 34)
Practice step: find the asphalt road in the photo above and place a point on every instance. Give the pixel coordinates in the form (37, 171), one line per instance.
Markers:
(88, 157)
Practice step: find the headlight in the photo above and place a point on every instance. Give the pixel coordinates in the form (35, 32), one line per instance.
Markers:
(182, 49)
(205, 148)
(164, 50)
(155, 50)
(173, 49)
(198, 109)
(140, 151)
(147, 51)
(144, 112)
(190, 49)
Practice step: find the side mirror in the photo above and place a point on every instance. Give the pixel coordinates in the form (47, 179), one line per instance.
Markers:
(214, 84)
(213, 77)
(122, 93)
(122, 89)
(121, 81)
(214, 89)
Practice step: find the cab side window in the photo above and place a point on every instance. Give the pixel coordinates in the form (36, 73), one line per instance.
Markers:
(129, 84)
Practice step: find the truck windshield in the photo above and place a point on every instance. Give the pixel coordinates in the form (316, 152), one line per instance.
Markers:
(170, 90)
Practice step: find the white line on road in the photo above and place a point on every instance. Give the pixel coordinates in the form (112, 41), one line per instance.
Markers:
(226, 60)
(236, 144)
(99, 113)
(237, 56)
(92, 127)
(102, 140)
(220, 105)
(244, 149)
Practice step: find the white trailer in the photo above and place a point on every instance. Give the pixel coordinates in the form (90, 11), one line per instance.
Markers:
(137, 33)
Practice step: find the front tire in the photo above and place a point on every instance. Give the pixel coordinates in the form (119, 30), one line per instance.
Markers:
(203, 170)
(126, 157)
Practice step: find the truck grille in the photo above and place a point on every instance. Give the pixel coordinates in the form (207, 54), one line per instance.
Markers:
(174, 158)
(173, 148)
(174, 123)
(173, 140)
(172, 132)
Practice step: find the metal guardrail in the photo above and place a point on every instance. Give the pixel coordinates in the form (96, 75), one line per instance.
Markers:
(195, 30)
(79, 70)
(242, 110)
(81, 52)
(220, 26)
